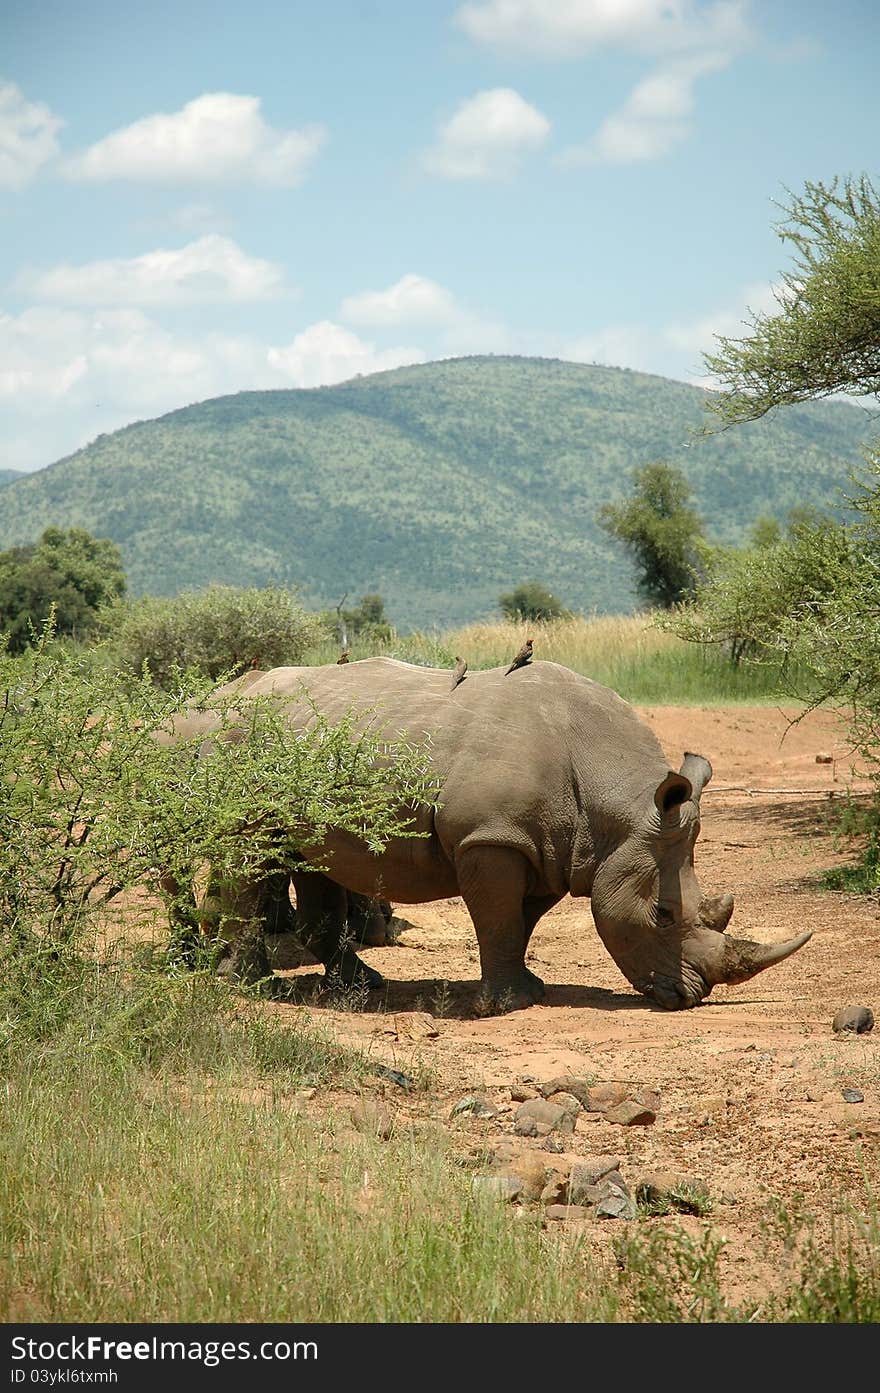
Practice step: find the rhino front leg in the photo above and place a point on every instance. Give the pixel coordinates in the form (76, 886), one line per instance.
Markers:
(321, 912)
(534, 907)
(493, 883)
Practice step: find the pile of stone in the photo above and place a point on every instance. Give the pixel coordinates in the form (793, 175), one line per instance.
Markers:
(567, 1186)
(573, 1188)
(554, 1106)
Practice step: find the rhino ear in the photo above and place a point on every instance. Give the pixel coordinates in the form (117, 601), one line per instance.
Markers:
(698, 770)
(672, 792)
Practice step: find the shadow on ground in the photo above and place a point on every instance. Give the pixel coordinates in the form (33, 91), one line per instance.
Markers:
(452, 1000)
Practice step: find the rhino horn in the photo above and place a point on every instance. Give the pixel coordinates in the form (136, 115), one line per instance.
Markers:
(715, 912)
(743, 959)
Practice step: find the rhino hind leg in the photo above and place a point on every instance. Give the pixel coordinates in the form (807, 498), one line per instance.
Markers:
(493, 881)
(233, 915)
(322, 925)
(279, 915)
(367, 920)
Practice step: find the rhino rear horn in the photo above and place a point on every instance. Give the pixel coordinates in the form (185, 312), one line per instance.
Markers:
(697, 770)
(715, 912)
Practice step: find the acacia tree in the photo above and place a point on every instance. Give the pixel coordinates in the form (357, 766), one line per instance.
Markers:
(824, 338)
(92, 803)
(816, 593)
(825, 335)
(661, 531)
(754, 598)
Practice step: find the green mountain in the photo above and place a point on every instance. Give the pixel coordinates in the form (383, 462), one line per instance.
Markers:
(9, 476)
(438, 485)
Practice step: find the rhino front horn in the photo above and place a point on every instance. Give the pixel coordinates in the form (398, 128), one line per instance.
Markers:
(743, 960)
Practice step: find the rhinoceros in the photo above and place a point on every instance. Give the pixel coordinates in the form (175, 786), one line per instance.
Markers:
(550, 784)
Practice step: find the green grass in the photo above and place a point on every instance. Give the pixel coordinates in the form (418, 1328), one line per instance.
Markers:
(163, 1204)
(671, 1276)
(159, 1165)
(110, 1015)
(855, 825)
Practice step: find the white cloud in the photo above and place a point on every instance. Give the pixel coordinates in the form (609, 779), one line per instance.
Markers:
(487, 137)
(412, 300)
(218, 138)
(616, 346)
(119, 359)
(674, 349)
(571, 28)
(67, 375)
(40, 355)
(652, 120)
(732, 322)
(211, 269)
(28, 132)
(415, 300)
(690, 38)
(326, 353)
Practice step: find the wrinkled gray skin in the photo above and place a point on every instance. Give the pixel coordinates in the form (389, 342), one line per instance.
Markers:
(551, 784)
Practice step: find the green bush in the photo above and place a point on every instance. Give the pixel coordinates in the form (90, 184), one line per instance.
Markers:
(68, 575)
(532, 600)
(217, 632)
(751, 596)
(91, 803)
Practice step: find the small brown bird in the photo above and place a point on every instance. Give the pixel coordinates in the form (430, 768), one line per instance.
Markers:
(523, 657)
(343, 657)
(458, 673)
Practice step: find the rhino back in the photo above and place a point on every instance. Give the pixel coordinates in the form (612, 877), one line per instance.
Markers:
(522, 757)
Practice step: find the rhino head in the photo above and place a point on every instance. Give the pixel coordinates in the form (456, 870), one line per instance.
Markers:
(666, 937)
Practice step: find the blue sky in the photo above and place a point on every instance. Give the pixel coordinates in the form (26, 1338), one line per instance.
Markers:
(199, 198)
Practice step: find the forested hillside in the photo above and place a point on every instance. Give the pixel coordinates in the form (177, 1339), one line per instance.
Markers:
(438, 485)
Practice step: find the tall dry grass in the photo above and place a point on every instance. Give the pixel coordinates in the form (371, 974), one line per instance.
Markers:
(626, 653)
(577, 642)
